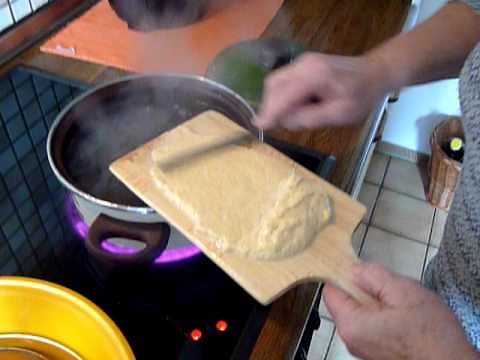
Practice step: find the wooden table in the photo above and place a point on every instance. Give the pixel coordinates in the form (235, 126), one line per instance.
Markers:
(343, 27)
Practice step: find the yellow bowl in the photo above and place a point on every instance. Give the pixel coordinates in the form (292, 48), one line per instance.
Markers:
(52, 320)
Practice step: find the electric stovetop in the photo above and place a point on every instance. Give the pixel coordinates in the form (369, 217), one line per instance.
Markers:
(180, 309)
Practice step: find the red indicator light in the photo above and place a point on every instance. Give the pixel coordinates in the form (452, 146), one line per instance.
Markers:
(221, 326)
(195, 334)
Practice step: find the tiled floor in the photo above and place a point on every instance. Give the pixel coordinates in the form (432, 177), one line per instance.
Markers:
(401, 230)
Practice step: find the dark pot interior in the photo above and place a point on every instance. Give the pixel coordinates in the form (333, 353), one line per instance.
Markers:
(111, 121)
(149, 15)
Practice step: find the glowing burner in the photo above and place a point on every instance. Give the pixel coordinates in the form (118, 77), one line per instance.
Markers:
(168, 256)
(174, 255)
(81, 228)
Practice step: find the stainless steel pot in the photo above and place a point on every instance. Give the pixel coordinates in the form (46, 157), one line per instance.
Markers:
(109, 121)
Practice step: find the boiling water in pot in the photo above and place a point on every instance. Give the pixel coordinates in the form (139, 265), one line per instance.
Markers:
(114, 120)
(99, 142)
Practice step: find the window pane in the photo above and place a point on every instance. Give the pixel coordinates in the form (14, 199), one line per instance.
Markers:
(38, 3)
(20, 8)
(5, 16)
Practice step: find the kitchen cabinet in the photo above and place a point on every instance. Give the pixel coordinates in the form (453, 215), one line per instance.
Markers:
(357, 181)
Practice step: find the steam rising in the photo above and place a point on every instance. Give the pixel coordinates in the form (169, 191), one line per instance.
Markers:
(113, 121)
(107, 130)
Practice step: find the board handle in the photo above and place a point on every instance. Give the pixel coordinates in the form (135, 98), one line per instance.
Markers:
(345, 282)
(341, 273)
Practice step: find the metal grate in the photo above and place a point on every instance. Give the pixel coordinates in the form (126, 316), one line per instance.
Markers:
(32, 216)
(14, 11)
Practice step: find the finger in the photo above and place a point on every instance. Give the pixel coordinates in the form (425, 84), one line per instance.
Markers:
(314, 116)
(389, 288)
(282, 94)
(272, 85)
(372, 278)
(338, 302)
(279, 103)
(291, 125)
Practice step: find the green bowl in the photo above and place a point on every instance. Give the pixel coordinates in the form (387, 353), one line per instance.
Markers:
(244, 66)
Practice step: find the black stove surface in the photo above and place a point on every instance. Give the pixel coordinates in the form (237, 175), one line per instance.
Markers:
(184, 310)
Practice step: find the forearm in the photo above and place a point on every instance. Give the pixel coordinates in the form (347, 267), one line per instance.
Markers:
(434, 50)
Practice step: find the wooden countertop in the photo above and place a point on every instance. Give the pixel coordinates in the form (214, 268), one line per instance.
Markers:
(343, 27)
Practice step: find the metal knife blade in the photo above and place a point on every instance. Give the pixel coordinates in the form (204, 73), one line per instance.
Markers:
(189, 155)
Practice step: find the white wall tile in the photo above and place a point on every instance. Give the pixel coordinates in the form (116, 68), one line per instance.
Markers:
(321, 340)
(403, 215)
(376, 168)
(401, 255)
(368, 196)
(438, 227)
(338, 350)
(20, 8)
(5, 17)
(36, 4)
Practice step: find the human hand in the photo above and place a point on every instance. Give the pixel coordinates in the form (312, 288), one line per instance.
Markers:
(320, 90)
(409, 321)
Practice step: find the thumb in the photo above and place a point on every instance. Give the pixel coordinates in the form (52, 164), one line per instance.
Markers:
(278, 103)
(284, 91)
(338, 302)
(381, 283)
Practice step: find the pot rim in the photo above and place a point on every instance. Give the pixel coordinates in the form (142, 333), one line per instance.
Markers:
(66, 109)
(51, 343)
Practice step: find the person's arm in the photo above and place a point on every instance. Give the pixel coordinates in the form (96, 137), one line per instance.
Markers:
(344, 89)
(434, 50)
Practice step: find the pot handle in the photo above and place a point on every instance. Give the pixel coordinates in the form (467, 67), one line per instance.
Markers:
(153, 235)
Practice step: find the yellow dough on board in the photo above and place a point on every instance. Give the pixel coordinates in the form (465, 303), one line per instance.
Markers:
(247, 202)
